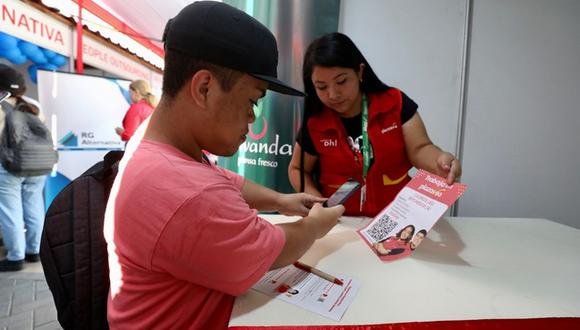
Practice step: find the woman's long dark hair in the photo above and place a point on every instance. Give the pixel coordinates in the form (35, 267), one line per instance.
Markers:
(332, 50)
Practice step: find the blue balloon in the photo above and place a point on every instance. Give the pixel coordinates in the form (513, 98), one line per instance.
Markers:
(48, 67)
(32, 71)
(58, 60)
(38, 58)
(48, 53)
(7, 41)
(28, 49)
(20, 59)
(13, 52)
(14, 55)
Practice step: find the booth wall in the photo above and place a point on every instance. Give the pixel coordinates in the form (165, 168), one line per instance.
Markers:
(520, 142)
(522, 138)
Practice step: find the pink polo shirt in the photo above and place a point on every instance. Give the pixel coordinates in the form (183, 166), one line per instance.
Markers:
(182, 242)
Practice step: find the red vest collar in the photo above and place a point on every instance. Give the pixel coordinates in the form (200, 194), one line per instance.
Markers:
(379, 103)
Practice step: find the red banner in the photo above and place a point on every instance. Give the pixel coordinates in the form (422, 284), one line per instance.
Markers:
(495, 324)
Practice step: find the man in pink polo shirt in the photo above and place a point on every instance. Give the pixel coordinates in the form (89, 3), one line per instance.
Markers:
(183, 235)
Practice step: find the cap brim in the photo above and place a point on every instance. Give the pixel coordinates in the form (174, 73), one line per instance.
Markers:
(277, 85)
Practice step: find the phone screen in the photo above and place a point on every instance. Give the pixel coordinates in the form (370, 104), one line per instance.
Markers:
(342, 193)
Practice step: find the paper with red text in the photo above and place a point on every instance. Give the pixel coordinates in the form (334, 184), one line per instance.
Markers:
(400, 227)
(308, 291)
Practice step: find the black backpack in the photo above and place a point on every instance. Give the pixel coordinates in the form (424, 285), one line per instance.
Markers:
(26, 145)
(73, 250)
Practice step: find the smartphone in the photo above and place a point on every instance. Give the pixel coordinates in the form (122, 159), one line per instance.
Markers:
(4, 95)
(343, 193)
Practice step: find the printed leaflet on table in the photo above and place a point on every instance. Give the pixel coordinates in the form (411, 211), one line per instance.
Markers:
(308, 291)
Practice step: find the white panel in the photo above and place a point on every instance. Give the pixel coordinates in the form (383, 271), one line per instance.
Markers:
(522, 140)
(416, 46)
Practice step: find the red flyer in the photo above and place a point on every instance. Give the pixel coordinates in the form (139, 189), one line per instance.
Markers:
(401, 226)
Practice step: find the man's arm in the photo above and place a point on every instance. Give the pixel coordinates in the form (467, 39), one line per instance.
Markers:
(260, 197)
(265, 199)
(301, 234)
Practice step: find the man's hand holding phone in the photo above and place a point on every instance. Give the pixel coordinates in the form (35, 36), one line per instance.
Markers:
(325, 217)
(343, 192)
(297, 204)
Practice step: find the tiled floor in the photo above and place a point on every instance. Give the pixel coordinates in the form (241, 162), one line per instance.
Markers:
(25, 300)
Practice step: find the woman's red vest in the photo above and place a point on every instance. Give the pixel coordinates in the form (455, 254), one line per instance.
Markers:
(338, 162)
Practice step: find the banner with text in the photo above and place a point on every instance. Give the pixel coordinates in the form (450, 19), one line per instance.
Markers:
(82, 113)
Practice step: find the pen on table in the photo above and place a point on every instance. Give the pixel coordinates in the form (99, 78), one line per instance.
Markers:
(317, 272)
(282, 288)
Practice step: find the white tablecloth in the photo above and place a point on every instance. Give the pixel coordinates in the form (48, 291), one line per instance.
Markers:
(466, 269)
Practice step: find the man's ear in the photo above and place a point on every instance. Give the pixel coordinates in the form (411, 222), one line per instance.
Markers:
(199, 87)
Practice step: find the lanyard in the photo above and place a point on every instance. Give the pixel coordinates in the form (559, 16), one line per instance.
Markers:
(366, 150)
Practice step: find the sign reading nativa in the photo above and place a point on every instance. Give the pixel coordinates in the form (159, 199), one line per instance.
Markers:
(30, 24)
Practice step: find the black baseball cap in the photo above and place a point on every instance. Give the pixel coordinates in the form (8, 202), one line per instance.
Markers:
(221, 34)
(11, 80)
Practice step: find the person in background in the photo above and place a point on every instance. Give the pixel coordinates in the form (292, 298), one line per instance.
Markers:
(21, 199)
(357, 127)
(142, 104)
(183, 235)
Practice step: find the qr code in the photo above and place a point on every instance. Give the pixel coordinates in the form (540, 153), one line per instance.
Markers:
(382, 228)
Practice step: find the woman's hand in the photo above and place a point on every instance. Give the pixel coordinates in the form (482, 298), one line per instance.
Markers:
(448, 167)
(423, 154)
(297, 204)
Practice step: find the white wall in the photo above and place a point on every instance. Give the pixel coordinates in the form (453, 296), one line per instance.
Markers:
(521, 146)
(522, 132)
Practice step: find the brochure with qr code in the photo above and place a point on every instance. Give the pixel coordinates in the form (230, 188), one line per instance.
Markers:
(401, 226)
(308, 291)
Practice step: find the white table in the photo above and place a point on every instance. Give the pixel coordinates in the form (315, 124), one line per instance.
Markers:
(466, 269)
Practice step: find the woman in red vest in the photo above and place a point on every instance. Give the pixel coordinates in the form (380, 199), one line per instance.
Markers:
(343, 96)
(143, 102)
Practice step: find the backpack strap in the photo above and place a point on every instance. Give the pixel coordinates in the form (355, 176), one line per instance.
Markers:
(99, 258)
(73, 248)
(57, 255)
(86, 199)
(91, 257)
